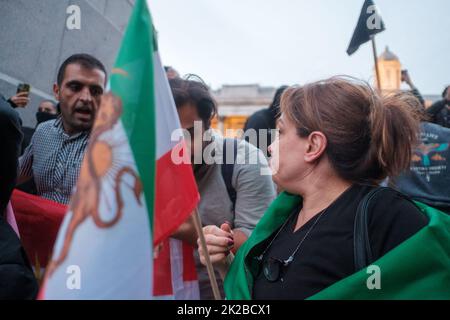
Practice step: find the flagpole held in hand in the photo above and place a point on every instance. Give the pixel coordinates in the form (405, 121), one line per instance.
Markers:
(209, 266)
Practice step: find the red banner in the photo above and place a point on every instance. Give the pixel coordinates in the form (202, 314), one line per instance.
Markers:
(38, 221)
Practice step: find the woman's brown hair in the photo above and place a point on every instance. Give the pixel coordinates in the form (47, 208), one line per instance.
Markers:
(370, 136)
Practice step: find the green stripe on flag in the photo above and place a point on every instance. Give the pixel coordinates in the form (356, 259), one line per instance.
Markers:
(419, 268)
(132, 80)
(238, 283)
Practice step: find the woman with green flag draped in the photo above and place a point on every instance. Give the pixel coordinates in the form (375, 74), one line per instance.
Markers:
(333, 233)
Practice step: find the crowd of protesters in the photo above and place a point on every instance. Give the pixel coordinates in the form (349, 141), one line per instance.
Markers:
(336, 141)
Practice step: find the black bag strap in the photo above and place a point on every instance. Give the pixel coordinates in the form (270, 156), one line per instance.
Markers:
(361, 241)
(228, 168)
(361, 244)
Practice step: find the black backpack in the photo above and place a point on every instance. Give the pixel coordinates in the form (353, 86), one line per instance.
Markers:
(228, 168)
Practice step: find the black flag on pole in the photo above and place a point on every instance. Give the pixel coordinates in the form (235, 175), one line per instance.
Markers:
(369, 24)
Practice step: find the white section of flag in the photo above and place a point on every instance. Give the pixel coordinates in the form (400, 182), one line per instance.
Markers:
(167, 121)
(182, 290)
(116, 262)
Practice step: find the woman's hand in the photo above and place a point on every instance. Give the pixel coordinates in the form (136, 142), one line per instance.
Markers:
(219, 242)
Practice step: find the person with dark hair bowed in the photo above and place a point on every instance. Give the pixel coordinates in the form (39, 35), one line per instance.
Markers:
(234, 194)
(265, 119)
(337, 140)
(53, 158)
(439, 112)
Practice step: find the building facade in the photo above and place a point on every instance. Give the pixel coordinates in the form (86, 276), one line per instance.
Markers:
(236, 103)
(390, 69)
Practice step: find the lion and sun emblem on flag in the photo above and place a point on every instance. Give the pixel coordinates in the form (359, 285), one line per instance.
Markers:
(106, 168)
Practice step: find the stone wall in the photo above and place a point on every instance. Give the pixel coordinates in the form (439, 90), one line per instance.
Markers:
(35, 40)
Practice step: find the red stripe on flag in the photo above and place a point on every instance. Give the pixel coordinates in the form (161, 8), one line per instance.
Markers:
(162, 270)
(189, 270)
(176, 195)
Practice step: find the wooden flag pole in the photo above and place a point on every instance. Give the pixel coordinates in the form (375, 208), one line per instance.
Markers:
(377, 68)
(209, 266)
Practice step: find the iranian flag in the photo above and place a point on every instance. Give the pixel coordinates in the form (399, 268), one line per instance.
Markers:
(130, 195)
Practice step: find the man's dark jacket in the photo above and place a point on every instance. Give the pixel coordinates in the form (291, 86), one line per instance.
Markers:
(17, 280)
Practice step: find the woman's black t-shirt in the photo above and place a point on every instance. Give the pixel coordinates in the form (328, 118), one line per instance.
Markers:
(326, 255)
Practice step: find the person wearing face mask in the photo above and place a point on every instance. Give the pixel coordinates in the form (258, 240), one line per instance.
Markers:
(47, 110)
(53, 158)
(439, 112)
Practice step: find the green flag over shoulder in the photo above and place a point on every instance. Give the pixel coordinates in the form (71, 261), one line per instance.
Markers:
(419, 268)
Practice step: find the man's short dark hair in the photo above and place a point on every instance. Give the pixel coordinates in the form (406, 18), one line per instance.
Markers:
(83, 59)
(197, 93)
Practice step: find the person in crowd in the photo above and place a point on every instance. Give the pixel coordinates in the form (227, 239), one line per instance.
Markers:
(17, 280)
(12, 138)
(252, 192)
(337, 140)
(439, 112)
(406, 78)
(428, 178)
(47, 110)
(54, 156)
(265, 120)
(21, 100)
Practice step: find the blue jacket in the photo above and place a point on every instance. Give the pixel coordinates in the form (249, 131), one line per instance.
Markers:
(428, 179)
